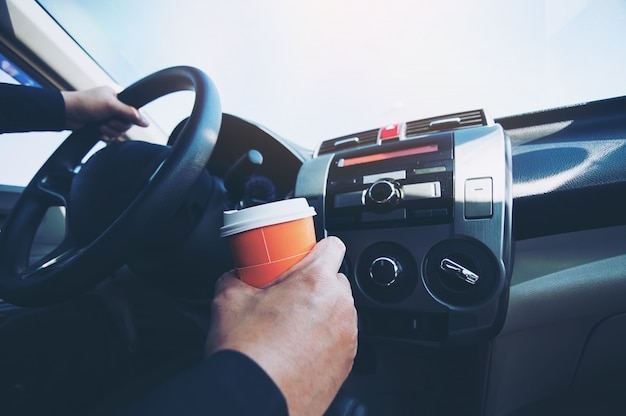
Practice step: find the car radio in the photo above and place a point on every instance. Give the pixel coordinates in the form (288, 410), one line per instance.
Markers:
(402, 183)
(426, 220)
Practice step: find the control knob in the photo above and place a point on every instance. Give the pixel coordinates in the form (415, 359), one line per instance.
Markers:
(385, 271)
(384, 192)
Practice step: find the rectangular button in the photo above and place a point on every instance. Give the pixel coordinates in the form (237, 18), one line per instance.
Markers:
(397, 214)
(478, 198)
(423, 190)
(350, 199)
(397, 175)
(430, 213)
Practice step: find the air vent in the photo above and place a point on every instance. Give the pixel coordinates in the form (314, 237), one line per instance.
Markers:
(351, 141)
(447, 122)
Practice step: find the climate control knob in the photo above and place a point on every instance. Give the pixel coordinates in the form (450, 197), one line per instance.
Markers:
(385, 271)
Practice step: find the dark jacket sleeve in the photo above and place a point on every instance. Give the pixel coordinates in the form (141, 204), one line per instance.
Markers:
(226, 383)
(24, 108)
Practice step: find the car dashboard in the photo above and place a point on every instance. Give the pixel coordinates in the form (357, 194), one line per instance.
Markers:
(426, 218)
(465, 244)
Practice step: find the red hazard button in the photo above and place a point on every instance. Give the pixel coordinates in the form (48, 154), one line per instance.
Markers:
(390, 132)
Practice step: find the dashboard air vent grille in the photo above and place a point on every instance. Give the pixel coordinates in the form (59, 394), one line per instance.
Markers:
(351, 141)
(448, 122)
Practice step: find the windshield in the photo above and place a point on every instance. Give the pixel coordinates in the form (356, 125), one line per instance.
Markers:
(311, 71)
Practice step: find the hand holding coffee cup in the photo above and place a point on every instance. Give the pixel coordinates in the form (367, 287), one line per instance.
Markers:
(266, 240)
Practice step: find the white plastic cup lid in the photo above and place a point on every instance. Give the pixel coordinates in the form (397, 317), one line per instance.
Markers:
(239, 221)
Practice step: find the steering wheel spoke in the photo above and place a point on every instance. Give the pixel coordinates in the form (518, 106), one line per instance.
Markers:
(62, 253)
(55, 187)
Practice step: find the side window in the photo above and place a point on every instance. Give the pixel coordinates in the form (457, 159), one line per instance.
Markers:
(22, 154)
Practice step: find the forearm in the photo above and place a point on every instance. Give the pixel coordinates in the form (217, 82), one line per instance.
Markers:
(30, 109)
(226, 383)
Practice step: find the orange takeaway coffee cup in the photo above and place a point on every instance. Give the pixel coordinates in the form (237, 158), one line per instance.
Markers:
(266, 240)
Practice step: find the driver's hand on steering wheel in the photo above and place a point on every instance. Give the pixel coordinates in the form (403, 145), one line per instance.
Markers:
(101, 104)
(302, 330)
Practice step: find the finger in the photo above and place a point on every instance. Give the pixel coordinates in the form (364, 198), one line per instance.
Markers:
(140, 118)
(225, 281)
(325, 258)
(344, 280)
(107, 134)
(130, 114)
(330, 251)
(230, 281)
(118, 125)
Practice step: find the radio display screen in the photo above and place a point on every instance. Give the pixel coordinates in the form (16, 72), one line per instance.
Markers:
(357, 160)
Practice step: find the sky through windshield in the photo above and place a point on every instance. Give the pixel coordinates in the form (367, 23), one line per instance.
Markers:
(316, 70)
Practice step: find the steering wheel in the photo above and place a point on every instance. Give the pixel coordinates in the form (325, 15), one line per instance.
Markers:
(73, 267)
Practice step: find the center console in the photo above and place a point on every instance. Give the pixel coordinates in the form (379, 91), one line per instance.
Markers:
(424, 209)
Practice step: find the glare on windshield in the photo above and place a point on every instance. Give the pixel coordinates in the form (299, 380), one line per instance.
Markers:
(315, 70)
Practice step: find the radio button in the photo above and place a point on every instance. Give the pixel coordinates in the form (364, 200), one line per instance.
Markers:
(397, 175)
(425, 190)
(342, 182)
(428, 213)
(350, 199)
(395, 215)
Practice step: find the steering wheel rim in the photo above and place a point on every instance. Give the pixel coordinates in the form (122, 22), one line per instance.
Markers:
(72, 268)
